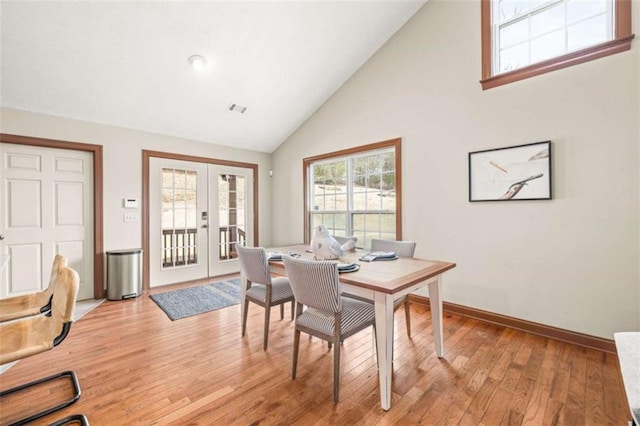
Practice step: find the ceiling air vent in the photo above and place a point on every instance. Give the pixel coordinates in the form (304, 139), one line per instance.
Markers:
(238, 108)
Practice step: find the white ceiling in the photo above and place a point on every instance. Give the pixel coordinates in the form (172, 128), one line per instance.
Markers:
(126, 63)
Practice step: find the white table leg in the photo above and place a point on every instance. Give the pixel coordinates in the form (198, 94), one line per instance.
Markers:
(384, 345)
(435, 288)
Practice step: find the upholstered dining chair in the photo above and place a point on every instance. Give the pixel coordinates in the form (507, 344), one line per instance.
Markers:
(402, 249)
(328, 315)
(39, 333)
(343, 240)
(34, 303)
(262, 289)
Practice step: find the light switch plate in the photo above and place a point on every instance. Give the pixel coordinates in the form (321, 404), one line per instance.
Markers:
(130, 217)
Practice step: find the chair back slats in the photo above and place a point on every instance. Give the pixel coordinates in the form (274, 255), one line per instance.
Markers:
(314, 283)
(401, 248)
(254, 264)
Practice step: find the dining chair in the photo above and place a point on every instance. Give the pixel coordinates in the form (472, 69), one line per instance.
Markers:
(328, 315)
(39, 333)
(262, 289)
(401, 249)
(33, 303)
(343, 240)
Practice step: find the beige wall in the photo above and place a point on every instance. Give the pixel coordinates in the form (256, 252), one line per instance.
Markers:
(572, 262)
(122, 150)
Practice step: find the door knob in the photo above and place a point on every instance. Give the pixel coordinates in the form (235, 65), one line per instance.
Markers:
(1, 237)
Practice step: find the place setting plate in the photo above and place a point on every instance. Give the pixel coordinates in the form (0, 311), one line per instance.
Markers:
(347, 267)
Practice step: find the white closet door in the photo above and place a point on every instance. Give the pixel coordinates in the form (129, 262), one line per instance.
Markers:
(47, 209)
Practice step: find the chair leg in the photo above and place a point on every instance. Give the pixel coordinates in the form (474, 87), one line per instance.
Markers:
(336, 372)
(296, 344)
(293, 304)
(80, 419)
(407, 316)
(267, 313)
(282, 311)
(244, 317)
(76, 395)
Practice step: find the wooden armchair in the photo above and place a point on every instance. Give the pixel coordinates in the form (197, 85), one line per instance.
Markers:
(39, 333)
(34, 303)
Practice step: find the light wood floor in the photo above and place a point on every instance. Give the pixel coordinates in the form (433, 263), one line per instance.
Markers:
(137, 367)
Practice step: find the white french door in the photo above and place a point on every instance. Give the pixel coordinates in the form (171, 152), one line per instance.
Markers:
(231, 222)
(47, 209)
(197, 213)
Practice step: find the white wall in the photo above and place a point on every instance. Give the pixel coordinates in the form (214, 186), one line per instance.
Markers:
(572, 262)
(122, 152)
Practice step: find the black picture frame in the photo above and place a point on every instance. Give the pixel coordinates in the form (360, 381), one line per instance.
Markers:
(514, 173)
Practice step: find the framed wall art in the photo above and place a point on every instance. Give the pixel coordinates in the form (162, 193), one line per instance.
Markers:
(521, 172)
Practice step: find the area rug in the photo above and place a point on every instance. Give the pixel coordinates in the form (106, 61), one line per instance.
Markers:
(187, 302)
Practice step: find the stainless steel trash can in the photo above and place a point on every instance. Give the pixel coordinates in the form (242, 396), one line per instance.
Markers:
(124, 274)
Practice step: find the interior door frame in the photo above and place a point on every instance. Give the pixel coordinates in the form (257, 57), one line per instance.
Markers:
(98, 220)
(146, 157)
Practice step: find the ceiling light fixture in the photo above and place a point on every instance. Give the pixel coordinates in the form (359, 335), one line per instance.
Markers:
(197, 62)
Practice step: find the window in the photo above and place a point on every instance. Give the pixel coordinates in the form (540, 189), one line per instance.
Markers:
(355, 192)
(524, 38)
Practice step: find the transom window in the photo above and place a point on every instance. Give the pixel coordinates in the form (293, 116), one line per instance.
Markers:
(523, 38)
(355, 192)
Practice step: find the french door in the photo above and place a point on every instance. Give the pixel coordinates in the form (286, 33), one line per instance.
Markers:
(198, 212)
(46, 208)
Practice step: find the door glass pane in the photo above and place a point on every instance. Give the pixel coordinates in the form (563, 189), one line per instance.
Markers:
(179, 218)
(231, 214)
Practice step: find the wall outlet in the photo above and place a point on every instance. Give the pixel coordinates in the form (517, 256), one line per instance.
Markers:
(130, 217)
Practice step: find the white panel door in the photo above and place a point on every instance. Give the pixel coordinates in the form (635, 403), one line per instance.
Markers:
(47, 209)
(231, 221)
(178, 249)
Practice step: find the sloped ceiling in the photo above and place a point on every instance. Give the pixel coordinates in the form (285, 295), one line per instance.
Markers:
(126, 63)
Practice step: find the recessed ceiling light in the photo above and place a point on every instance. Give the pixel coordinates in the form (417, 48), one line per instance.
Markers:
(197, 62)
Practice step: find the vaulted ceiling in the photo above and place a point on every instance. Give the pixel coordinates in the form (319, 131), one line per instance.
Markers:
(126, 63)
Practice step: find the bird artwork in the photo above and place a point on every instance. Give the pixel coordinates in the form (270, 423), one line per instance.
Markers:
(325, 247)
(516, 187)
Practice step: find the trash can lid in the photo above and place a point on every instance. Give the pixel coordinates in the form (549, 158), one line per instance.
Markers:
(124, 251)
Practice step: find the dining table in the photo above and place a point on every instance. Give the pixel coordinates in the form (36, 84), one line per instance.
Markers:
(382, 281)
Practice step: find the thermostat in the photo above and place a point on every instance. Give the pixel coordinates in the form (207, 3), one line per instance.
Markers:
(130, 203)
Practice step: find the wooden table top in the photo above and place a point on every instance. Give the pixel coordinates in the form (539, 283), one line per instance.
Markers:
(388, 276)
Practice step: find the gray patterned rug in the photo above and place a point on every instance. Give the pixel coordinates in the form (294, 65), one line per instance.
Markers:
(186, 302)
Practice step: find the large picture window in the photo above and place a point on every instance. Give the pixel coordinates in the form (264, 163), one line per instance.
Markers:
(523, 38)
(355, 192)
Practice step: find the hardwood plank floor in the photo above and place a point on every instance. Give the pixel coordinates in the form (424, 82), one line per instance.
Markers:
(137, 367)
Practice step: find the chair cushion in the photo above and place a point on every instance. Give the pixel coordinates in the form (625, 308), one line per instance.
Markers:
(356, 314)
(280, 291)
